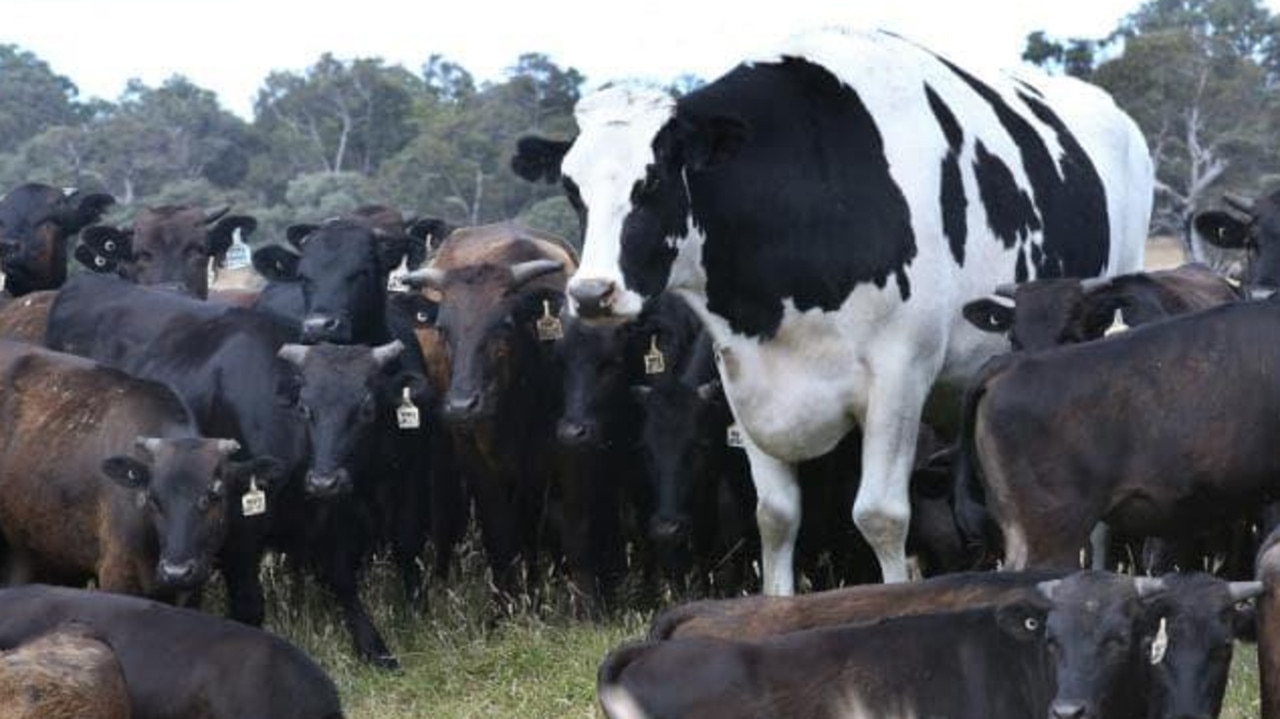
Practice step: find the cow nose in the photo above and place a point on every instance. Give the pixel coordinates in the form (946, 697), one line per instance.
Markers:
(593, 297)
(1067, 710)
(461, 407)
(317, 328)
(668, 530)
(573, 433)
(328, 484)
(175, 573)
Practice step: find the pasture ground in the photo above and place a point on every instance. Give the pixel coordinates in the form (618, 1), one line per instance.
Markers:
(537, 664)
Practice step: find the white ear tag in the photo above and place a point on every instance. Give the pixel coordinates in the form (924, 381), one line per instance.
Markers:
(407, 414)
(733, 436)
(654, 361)
(1117, 325)
(239, 255)
(3, 279)
(211, 270)
(254, 502)
(395, 280)
(549, 327)
(1160, 644)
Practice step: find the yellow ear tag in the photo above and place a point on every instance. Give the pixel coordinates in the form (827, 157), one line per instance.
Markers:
(549, 327)
(254, 502)
(407, 414)
(654, 361)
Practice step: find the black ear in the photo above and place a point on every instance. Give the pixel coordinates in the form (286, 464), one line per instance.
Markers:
(538, 158)
(127, 472)
(1023, 620)
(297, 234)
(419, 388)
(110, 242)
(276, 263)
(89, 208)
(431, 230)
(1221, 229)
(709, 141)
(219, 236)
(266, 471)
(94, 261)
(989, 315)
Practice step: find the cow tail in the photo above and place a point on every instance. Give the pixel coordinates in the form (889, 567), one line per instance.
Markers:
(977, 527)
(615, 700)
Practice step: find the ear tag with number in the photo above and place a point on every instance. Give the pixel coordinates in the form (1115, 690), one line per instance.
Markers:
(239, 255)
(211, 270)
(1160, 644)
(549, 327)
(654, 361)
(395, 280)
(407, 414)
(733, 436)
(254, 502)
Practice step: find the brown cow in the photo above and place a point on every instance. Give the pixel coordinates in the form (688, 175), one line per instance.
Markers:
(36, 224)
(66, 673)
(153, 523)
(24, 318)
(497, 285)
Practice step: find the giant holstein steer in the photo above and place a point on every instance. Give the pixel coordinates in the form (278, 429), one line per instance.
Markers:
(106, 476)
(36, 224)
(827, 207)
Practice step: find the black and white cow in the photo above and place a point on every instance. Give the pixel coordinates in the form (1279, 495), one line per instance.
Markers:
(827, 208)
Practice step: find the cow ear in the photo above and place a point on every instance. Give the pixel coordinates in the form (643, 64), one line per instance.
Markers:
(1221, 229)
(94, 261)
(297, 234)
(90, 208)
(1022, 620)
(989, 315)
(276, 263)
(265, 471)
(431, 231)
(220, 235)
(709, 141)
(539, 158)
(127, 472)
(107, 241)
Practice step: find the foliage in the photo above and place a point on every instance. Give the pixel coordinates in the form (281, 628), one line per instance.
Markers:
(32, 97)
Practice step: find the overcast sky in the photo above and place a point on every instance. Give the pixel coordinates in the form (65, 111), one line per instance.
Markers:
(230, 46)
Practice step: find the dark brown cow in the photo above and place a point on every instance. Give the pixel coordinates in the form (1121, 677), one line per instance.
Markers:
(105, 476)
(66, 673)
(495, 284)
(24, 318)
(1047, 313)
(167, 246)
(36, 224)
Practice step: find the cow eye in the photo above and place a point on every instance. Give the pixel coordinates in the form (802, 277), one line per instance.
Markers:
(422, 317)
(203, 503)
(1031, 623)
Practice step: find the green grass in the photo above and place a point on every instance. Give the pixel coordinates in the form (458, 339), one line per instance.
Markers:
(537, 663)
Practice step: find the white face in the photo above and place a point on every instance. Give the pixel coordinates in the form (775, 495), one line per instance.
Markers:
(616, 128)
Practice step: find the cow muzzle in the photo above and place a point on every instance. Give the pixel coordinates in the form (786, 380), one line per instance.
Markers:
(669, 530)
(180, 575)
(1261, 292)
(1068, 710)
(324, 485)
(575, 434)
(325, 328)
(463, 408)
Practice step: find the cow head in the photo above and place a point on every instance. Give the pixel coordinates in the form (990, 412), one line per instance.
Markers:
(487, 319)
(1045, 313)
(1252, 226)
(184, 486)
(167, 247)
(595, 378)
(36, 223)
(340, 394)
(635, 165)
(342, 266)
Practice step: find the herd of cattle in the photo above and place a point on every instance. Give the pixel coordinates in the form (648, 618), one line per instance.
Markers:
(807, 274)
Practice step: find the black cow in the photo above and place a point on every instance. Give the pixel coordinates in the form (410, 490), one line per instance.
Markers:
(1252, 226)
(178, 663)
(36, 224)
(1131, 445)
(501, 287)
(1047, 313)
(167, 246)
(106, 476)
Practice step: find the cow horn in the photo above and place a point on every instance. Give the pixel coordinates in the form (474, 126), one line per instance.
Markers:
(150, 445)
(228, 447)
(708, 390)
(425, 277)
(1006, 290)
(1239, 202)
(215, 213)
(1241, 591)
(385, 353)
(525, 271)
(293, 354)
(1146, 586)
(1089, 284)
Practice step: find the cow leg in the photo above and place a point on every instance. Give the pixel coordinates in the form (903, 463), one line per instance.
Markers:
(777, 516)
(882, 510)
(245, 602)
(341, 575)
(1100, 545)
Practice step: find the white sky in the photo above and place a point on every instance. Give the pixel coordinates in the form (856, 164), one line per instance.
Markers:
(230, 46)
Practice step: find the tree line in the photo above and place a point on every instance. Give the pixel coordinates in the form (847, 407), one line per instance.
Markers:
(1200, 77)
